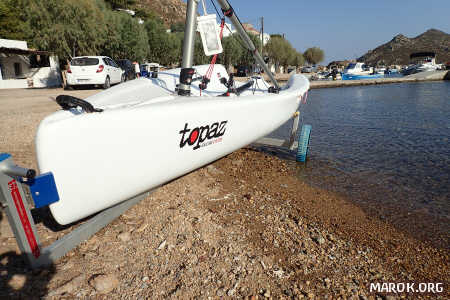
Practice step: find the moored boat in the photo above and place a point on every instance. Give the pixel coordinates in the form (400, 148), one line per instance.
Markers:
(358, 71)
(361, 77)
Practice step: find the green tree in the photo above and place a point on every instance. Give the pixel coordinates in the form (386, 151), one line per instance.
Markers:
(157, 39)
(314, 55)
(280, 51)
(126, 38)
(298, 60)
(66, 27)
(246, 57)
(177, 27)
(232, 52)
(12, 24)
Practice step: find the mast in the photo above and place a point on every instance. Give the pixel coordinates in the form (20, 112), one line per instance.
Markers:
(184, 89)
(228, 11)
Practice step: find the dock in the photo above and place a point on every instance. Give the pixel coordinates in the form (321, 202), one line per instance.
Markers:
(418, 77)
(318, 84)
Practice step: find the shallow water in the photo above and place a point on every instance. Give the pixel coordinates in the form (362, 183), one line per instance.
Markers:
(387, 146)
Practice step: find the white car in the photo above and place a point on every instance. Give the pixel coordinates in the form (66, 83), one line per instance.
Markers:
(94, 70)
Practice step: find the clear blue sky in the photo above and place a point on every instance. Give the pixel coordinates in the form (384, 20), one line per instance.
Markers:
(343, 29)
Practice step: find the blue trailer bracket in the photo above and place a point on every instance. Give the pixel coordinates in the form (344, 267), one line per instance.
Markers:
(43, 190)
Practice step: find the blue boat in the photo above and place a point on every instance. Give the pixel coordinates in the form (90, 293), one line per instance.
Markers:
(347, 76)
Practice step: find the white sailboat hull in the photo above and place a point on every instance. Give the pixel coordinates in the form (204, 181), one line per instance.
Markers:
(101, 159)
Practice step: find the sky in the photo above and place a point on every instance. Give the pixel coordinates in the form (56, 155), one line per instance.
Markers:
(344, 29)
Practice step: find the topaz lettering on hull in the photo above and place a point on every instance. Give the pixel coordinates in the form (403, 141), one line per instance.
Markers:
(202, 136)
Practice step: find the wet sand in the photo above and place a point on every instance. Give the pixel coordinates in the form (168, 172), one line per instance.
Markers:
(244, 226)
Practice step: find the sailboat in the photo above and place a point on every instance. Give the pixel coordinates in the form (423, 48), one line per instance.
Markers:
(140, 134)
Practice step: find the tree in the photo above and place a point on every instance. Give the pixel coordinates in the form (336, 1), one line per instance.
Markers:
(66, 27)
(298, 60)
(232, 52)
(281, 52)
(314, 55)
(177, 27)
(246, 57)
(126, 38)
(12, 24)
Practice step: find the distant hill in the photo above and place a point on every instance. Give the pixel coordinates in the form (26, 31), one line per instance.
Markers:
(397, 50)
(170, 11)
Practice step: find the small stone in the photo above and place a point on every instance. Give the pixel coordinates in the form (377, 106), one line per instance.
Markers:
(267, 294)
(230, 292)
(142, 228)
(318, 239)
(263, 265)
(17, 281)
(311, 295)
(279, 273)
(220, 292)
(213, 170)
(69, 287)
(145, 278)
(162, 245)
(104, 283)
(124, 236)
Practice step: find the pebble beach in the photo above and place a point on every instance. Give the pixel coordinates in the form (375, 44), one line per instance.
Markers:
(243, 227)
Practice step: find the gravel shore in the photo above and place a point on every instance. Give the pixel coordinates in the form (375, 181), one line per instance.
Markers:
(242, 227)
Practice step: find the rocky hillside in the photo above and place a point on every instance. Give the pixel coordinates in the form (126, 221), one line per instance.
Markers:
(397, 50)
(171, 11)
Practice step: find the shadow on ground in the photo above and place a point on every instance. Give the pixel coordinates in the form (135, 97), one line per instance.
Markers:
(18, 280)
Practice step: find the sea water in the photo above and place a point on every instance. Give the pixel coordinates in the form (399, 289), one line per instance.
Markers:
(386, 147)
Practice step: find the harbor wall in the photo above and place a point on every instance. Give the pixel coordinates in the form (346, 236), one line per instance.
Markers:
(423, 76)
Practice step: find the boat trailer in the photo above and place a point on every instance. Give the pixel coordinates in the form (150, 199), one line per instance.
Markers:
(20, 189)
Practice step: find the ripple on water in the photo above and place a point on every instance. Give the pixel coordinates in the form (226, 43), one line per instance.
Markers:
(385, 145)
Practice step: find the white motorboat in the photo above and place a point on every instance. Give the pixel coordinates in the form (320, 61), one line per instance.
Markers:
(424, 61)
(357, 69)
(143, 133)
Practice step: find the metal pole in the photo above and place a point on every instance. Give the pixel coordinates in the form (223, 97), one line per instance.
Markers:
(228, 11)
(204, 8)
(262, 35)
(186, 73)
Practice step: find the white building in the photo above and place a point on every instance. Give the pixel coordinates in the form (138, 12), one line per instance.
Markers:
(21, 67)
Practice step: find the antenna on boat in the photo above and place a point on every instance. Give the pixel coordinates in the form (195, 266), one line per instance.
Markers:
(184, 89)
(229, 12)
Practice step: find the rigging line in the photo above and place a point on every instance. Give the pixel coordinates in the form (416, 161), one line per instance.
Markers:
(229, 29)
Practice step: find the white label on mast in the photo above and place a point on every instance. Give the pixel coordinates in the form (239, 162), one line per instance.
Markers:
(209, 32)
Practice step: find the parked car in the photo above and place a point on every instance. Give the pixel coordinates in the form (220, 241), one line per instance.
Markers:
(128, 67)
(307, 69)
(93, 70)
(243, 71)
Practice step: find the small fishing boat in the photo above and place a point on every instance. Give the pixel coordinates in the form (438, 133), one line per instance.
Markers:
(143, 133)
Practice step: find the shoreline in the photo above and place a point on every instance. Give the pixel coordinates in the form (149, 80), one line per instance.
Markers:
(318, 84)
(244, 226)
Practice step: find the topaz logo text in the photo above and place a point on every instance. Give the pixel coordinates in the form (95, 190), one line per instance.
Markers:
(202, 136)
